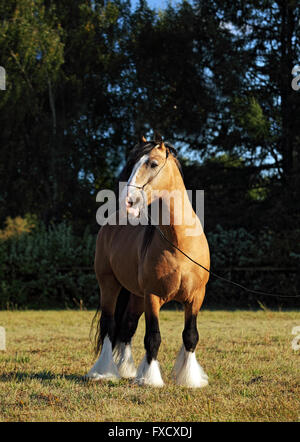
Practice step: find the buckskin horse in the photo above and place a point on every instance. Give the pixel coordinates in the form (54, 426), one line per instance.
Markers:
(139, 270)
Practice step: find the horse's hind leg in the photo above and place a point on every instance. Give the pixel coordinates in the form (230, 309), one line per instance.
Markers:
(187, 370)
(105, 367)
(122, 349)
(148, 371)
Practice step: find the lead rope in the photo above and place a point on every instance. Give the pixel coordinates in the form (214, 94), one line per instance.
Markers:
(257, 292)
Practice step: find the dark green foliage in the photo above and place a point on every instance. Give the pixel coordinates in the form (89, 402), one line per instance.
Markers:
(264, 261)
(85, 78)
(53, 268)
(48, 268)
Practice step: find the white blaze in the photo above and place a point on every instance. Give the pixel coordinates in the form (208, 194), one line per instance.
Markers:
(135, 170)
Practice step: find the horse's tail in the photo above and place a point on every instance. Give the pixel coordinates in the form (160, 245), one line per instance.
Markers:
(96, 340)
(122, 302)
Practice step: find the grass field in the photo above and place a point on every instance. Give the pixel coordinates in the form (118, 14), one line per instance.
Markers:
(253, 370)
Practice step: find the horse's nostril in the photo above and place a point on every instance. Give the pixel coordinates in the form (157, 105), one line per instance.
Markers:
(129, 202)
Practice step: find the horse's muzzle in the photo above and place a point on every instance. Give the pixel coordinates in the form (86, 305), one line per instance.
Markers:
(128, 202)
(132, 206)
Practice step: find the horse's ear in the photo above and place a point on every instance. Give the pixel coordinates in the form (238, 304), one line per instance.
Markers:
(158, 138)
(162, 147)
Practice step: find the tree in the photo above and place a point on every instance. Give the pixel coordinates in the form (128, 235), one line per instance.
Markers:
(85, 78)
(61, 62)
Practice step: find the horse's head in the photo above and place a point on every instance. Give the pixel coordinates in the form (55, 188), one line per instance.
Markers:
(150, 175)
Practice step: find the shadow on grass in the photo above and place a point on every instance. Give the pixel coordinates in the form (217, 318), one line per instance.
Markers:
(46, 376)
(42, 376)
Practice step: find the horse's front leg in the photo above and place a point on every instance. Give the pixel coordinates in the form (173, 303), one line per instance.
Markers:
(187, 371)
(148, 371)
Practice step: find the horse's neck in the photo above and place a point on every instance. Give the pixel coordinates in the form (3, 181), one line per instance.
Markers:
(184, 223)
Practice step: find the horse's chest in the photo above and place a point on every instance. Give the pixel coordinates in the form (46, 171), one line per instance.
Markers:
(168, 279)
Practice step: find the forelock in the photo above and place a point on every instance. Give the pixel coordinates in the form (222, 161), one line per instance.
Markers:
(144, 148)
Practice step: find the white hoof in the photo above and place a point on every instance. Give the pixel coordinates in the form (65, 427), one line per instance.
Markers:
(104, 367)
(123, 359)
(187, 371)
(149, 374)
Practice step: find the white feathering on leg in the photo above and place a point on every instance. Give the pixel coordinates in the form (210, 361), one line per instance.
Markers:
(149, 374)
(123, 359)
(104, 367)
(188, 372)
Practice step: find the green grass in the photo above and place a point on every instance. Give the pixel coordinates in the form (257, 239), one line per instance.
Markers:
(253, 370)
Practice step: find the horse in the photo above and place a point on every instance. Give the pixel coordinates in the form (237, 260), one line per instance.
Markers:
(140, 268)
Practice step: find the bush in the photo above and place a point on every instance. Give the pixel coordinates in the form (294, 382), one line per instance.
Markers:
(16, 226)
(53, 268)
(48, 268)
(264, 262)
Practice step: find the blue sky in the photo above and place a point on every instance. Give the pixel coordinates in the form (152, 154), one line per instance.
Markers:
(158, 4)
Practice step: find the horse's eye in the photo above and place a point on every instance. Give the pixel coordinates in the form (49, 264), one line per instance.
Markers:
(153, 164)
